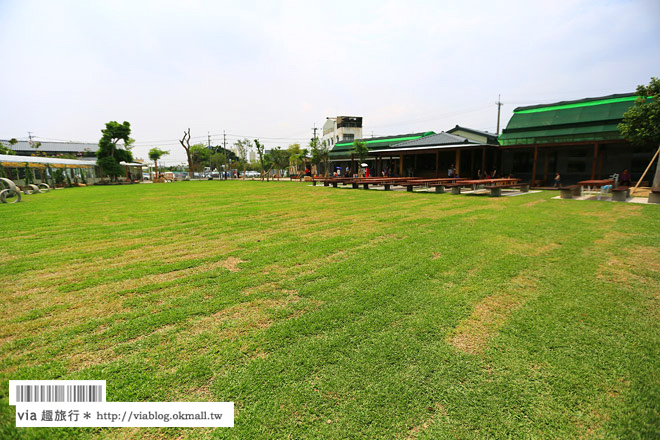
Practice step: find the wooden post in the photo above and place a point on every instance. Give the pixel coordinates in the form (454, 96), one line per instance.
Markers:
(437, 163)
(536, 155)
(471, 162)
(380, 165)
(401, 165)
(352, 166)
(458, 163)
(600, 163)
(593, 165)
(545, 171)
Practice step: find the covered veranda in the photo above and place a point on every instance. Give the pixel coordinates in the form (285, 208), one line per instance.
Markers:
(46, 169)
(434, 155)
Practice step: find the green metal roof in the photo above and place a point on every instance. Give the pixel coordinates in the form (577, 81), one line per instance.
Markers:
(590, 119)
(342, 149)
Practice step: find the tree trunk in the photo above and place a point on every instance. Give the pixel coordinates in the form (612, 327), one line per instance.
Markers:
(156, 168)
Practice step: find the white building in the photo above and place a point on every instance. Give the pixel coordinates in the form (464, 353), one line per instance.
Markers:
(341, 129)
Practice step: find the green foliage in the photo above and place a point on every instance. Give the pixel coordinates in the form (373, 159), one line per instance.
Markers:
(49, 176)
(243, 146)
(83, 177)
(2, 172)
(279, 158)
(67, 175)
(110, 166)
(641, 123)
(58, 176)
(7, 150)
(156, 153)
(200, 156)
(260, 153)
(29, 175)
(360, 149)
(217, 160)
(110, 152)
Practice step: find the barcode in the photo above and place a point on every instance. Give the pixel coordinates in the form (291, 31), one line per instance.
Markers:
(59, 393)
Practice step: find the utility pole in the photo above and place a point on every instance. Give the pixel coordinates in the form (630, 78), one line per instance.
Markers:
(209, 138)
(224, 139)
(499, 105)
(30, 138)
(314, 131)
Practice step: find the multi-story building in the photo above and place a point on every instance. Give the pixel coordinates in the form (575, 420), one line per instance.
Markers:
(341, 129)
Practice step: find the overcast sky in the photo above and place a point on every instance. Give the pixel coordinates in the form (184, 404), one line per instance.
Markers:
(274, 69)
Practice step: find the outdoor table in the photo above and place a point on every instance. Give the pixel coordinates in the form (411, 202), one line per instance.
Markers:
(492, 182)
(591, 185)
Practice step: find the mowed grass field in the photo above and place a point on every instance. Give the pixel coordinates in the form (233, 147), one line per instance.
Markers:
(332, 313)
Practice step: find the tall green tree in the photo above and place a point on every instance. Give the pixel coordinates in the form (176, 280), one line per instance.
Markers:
(155, 154)
(641, 123)
(111, 151)
(361, 150)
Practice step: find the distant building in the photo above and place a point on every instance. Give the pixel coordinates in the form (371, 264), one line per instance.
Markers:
(474, 135)
(80, 149)
(341, 129)
(253, 156)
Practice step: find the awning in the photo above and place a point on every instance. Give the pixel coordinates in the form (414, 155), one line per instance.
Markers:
(41, 162)
(431, 148)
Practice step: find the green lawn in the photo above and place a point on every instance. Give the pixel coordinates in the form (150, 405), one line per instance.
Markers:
(338, 313)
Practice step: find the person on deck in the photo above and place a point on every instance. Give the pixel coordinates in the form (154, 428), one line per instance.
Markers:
(625, 179)
(450, 171)
(367, 173)
(557, 181)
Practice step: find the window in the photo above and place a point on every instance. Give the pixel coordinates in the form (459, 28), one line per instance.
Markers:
(349, 137)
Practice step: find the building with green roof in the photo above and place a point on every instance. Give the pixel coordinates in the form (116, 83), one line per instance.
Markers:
(341, 154)
(579, 139)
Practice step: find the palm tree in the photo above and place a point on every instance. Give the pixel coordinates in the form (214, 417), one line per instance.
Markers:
(155, 155)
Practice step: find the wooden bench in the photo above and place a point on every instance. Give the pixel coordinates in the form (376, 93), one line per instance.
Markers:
(455, 187)
(496, 190)
(567, 192)
(654, 195)
(620, 193)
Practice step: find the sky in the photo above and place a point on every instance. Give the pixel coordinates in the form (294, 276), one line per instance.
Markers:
(275, 69)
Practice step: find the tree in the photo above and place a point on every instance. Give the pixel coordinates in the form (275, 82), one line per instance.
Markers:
(217, 160)
(260, 153)
(243, 146)
(315, 153)
(641, 123)
(155, 154)
(200, 156)
(279, 158)
(8, 150)
(185, 143)
(324, 151)
(110, 152)
(360, 149)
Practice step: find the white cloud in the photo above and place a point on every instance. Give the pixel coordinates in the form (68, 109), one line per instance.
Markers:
(273, 69)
